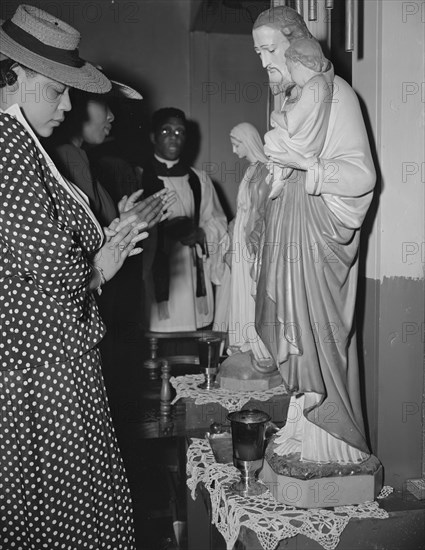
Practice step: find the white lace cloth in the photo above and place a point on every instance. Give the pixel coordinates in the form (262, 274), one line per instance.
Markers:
(271, 521)
(187, 386)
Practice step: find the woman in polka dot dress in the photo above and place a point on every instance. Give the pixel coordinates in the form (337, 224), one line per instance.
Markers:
(62, 481)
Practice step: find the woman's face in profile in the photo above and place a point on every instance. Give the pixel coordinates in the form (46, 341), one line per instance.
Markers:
(98, 123)
(44, 101)
(238, 148)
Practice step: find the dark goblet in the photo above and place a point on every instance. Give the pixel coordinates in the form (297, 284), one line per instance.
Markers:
(248, 435)
(209, 357)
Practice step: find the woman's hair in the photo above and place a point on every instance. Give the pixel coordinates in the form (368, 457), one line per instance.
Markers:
(8, 77)
(284, 19)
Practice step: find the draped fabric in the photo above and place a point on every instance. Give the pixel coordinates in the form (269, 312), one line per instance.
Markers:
(241, 245)
(168, 233)
(242, 333)
(302, 125)
(187, 311)
(309, 262)
(247, 134)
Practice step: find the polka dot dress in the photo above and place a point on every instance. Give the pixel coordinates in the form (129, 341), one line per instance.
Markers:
(62, 481)
(46, 238)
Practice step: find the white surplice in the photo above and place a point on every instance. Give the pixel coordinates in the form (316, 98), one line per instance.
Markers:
(186, 311)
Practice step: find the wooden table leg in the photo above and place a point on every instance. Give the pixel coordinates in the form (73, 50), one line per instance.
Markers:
(153, 363)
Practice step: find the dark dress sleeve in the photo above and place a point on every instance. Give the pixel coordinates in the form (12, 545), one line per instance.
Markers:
(74, 164)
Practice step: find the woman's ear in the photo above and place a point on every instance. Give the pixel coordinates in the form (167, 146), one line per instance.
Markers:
(152, 137)
(19, 71)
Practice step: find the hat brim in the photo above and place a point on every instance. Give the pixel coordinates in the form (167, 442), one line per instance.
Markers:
(86, 78)
(123, 91)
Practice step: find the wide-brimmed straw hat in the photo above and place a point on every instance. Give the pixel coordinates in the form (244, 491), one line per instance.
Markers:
(49, 46)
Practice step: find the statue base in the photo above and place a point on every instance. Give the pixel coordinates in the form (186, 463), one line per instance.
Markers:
(239, 373)
(306, 484)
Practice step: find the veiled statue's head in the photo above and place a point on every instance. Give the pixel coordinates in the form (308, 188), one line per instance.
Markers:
(273, 32)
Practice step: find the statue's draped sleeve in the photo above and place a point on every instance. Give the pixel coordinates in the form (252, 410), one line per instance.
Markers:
(258, 191)
(344, 175)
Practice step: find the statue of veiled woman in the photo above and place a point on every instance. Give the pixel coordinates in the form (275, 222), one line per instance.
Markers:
(245, 239)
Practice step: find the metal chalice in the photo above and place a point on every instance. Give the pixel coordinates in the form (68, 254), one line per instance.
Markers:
(248, 436)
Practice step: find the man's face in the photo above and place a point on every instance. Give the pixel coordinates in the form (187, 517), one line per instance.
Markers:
(271, 45)
(169, 139)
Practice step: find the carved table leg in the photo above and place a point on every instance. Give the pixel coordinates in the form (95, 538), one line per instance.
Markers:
(165, 395)
(153, 363)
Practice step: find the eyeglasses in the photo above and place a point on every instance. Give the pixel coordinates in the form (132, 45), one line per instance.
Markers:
(178, 132)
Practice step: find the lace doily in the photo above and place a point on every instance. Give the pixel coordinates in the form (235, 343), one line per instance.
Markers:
(187, 386)
(271, 521)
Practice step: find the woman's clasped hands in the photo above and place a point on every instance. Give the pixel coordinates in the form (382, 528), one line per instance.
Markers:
(152, 210)
(121, 238)
(123, 233)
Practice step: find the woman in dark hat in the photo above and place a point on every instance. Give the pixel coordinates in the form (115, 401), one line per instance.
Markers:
(62, 481)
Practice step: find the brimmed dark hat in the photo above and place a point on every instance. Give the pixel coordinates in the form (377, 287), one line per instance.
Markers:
(49, 46)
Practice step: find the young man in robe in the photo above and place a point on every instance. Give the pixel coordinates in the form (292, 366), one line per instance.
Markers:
(182, 261)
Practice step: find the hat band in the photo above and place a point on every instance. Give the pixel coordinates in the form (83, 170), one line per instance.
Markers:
(28, 41)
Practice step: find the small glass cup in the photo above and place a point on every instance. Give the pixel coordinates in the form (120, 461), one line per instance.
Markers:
(209, 357)
(248, 435)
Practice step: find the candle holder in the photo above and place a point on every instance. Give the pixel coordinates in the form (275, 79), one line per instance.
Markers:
(209, 357)
(248, 435)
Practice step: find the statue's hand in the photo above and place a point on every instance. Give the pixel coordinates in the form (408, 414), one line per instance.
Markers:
(292, 159)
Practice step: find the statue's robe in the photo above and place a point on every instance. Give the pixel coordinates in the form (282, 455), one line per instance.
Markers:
(306, 291)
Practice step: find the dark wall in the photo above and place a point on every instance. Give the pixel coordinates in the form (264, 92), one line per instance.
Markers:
(144, 43)
(216, 79)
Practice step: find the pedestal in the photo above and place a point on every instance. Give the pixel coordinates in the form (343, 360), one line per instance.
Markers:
(238, 373)
(310, 485)
(236, 384)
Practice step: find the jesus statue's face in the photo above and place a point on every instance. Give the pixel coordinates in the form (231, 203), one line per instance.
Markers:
(271, 45)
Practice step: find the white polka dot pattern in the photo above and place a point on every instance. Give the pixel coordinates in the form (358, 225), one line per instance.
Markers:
(46, 238)
(62, 482)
